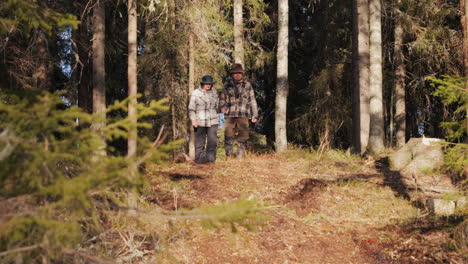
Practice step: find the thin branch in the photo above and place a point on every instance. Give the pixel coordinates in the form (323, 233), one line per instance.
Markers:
(16, 250)
(158, 142)
(86, 9)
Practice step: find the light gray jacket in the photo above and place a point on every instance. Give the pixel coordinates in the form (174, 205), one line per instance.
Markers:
(203, 107)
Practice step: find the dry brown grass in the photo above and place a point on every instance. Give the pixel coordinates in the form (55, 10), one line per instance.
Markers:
(327, 208)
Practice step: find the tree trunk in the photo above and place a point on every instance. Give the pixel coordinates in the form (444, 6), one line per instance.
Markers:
(99, 70)
(132, 76)
(84, 69)
(464, 11)
(238, 33)
(42, 74)
(376, 131)
(361, 115)
(132, 104)
(400, 90)
(464, 23)
(282, 86)
(173, 92)
(191, 88)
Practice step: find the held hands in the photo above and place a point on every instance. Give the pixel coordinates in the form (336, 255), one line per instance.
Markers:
(194, 123)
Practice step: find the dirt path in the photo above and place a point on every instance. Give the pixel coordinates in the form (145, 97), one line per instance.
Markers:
(324, 210)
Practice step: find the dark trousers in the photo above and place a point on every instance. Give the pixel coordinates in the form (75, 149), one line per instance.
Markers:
(206, 140)
(239, 125)
(233, 126)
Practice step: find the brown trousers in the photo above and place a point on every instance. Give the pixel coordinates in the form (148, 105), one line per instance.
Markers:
(239, 125)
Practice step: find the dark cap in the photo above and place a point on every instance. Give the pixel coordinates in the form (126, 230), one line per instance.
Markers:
(207, 79)
(237, 68)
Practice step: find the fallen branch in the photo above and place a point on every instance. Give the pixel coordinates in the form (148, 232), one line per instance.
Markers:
(16, 250)
(414, 187)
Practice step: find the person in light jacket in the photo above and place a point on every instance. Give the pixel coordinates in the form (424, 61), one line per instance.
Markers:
(203, 114)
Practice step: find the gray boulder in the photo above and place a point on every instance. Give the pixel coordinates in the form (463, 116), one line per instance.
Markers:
(418, 155)
(461, 203)
(441, 207)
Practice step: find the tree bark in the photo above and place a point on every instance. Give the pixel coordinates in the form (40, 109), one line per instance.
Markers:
(282, 86)
(84, 74)
(132, 104)
(191, 88)
(99, 69)
(238, 33)
(42, 74)
(132, 76)
(400, 89)
(464, 23)
(376, 131)
(464, 11)
(361, 117)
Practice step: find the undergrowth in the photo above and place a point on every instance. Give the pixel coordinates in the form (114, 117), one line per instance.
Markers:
(78, 196)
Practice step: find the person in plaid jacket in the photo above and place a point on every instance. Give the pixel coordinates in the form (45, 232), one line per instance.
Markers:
(203, 113)
(237, 102)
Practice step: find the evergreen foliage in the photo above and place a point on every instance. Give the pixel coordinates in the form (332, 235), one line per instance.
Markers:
(55, 164)
(29, 14)
(432, 41)
(453, 93)
(319, 107)
(46, 156)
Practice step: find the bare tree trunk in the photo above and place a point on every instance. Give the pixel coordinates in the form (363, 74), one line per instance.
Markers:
(99, 69)
(83, 74)
(361, 117)
(191, 88)
(377, 132)
(132, 92)
(400, 89)
(464, 23)
(464, 11)
(391, 120)
(238, 33)
(132, 75)
(282, 86)
(173, 70)
(42, 74)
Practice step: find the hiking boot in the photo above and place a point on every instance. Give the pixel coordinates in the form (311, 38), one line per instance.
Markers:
(240, 153)
(241, 149)
(228, 146)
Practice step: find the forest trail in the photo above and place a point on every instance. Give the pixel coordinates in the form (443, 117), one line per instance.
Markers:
(330, 208)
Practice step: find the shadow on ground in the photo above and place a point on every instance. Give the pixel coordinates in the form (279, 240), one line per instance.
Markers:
(392, 178)
(180, 176)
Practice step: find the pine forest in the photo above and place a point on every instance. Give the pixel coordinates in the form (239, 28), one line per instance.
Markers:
(233, 131)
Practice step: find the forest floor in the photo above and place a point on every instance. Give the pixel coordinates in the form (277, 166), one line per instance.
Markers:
(323, 208)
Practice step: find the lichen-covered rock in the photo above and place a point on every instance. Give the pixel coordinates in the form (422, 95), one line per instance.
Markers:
(418, 155)
(461, 203)
(400, 159)
(441, 207)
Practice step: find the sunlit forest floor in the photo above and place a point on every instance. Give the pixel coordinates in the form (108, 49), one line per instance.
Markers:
(328, 207)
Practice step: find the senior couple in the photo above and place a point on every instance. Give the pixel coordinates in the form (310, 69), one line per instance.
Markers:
(236, 101)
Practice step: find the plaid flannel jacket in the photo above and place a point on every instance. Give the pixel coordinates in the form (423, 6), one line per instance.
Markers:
(203, 107)
(240, 104)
